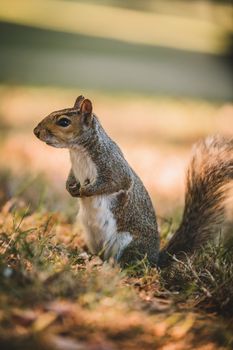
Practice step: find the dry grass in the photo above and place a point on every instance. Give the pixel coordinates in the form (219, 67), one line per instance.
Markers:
(205, 279)
(53, 295)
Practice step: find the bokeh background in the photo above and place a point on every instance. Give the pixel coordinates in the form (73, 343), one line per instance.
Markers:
(159, 74)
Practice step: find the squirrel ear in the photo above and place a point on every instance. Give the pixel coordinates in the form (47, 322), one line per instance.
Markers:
(78, 101)
(86, 110)
(86, 107)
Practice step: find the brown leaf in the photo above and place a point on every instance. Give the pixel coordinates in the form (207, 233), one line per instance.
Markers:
(43, 321)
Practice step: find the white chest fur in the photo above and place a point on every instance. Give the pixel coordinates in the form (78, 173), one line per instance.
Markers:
(83, 166)
(95, 212)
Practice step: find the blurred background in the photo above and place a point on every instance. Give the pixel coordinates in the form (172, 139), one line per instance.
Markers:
(159, 74)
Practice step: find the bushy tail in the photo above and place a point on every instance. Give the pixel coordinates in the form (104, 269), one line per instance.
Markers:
(209, 173)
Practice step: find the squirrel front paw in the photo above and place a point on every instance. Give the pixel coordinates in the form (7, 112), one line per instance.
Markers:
(85, 190)
(73, 188)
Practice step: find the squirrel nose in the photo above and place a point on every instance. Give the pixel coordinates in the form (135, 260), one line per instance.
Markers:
(37, 132)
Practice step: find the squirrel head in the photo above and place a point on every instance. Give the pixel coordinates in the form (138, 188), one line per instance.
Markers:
(64, 128)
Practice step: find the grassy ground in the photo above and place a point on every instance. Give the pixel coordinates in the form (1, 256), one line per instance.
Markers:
(53, 294)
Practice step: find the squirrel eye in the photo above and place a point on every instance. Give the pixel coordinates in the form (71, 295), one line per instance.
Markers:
(63, 122)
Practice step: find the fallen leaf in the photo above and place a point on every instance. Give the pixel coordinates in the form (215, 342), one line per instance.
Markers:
(43, 321)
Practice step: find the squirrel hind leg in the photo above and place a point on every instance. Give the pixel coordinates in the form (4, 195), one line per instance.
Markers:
(137, 251)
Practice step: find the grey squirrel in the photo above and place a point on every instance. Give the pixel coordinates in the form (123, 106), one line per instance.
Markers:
(115, 208)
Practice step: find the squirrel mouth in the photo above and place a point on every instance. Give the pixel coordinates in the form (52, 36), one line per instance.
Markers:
(50, 143)
(49, 140)
(54, 144)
